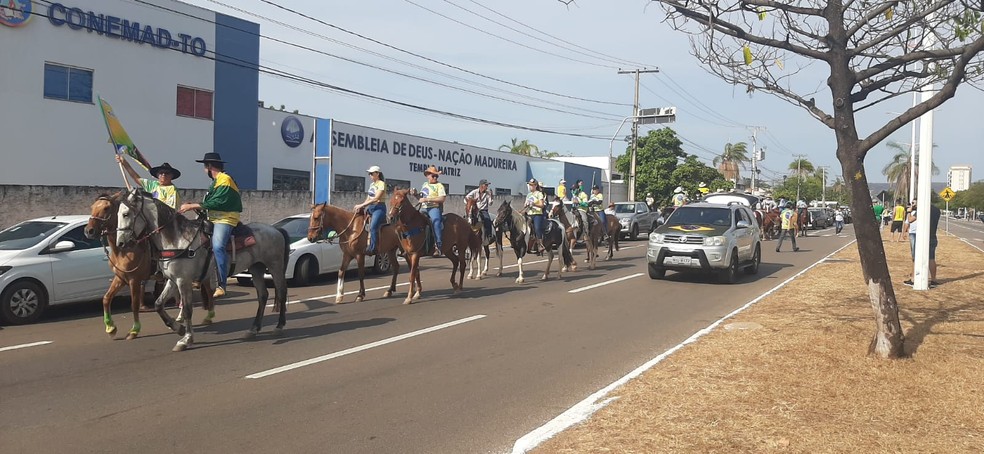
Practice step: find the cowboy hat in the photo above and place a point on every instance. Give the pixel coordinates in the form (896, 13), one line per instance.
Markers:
(532, 181)
(483, 181)
(431, 170)
(678, 190)
(374, 169)
(211, 157)
(175, 173)
(702, 185)
(562, 181)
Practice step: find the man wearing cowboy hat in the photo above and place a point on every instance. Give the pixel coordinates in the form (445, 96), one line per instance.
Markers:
(702, 187)
(223, 204)
(432, 195)
(679, 197)
(163, 187)
(561, 191)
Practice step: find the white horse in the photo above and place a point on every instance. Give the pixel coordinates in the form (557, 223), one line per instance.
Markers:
(184, 255)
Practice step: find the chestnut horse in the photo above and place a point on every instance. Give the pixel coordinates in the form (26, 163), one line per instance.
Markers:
(771, 223)
(130, 266)
(613, 229)
(493, 238)
(353, 238)
(412, 229)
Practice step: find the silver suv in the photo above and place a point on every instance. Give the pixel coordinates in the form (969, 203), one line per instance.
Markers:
(707, 237)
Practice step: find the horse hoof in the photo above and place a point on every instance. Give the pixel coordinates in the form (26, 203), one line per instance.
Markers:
(564, 269)
(111, 332)
(278, 332)
(545, 277)
(179, 347)
(498, 274)
(387, 294)
(408, 301)
(520, 280)
(207, 321)
(416, 296)
(250, 335)
(359, 299)
(338, 300)
(131, 336)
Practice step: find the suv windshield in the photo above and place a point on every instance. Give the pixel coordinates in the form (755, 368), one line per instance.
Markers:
(700, 216)
(625, 208)
(28, 234)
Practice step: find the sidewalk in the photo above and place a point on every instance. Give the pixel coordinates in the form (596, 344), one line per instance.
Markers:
(799, 379)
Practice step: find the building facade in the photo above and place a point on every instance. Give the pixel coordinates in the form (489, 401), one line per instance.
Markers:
(959, 178)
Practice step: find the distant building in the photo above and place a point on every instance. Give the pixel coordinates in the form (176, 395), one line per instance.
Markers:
(959, 178)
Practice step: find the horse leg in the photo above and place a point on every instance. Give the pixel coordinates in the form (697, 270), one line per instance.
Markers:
(208, 301)
(550, 256)
(280, 300)
(185, 295)
(420, 286)
(395, 265)
(519, 264)
(114, 287)
(361, 262)
(136, 302)
(412, 260)
(340, 287)
(166, 294)
(259, 283)
(500, 252)
(474, 261)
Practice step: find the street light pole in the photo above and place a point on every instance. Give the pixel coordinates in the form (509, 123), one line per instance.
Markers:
(611, 144)
(635, 128)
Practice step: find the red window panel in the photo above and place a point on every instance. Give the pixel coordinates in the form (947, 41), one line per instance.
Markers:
(186, 102)
(203, 104)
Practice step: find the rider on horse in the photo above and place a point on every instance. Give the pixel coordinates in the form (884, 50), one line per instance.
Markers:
(535, 201)
(561, 191)
(483, 201)
(596, 204)
(223, 204)
(375, 206)
(679, 197)
(432, 202)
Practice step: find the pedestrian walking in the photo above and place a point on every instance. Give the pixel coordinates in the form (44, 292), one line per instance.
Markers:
(838, 221)
(788, 218)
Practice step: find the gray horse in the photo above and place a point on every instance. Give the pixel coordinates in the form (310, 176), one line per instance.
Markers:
(182, 248)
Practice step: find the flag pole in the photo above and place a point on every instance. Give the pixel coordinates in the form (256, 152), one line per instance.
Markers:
(116, 148)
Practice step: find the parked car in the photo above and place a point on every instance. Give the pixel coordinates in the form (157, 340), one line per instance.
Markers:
(635, 217)
(46, 262)
(706, 237)
(820, 218)
(309, 260)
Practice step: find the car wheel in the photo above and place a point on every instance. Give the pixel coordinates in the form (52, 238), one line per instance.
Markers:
(22, 302)
(382, 264)
(656, 272)
(635, 232)
(305, 271)
(244, 281)
(756, 261)
(730, 275)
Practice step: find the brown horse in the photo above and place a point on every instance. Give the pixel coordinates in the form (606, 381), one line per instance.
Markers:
(802, 221)
(412, 229)
(353, 238)
(613, 230)
(131, 266)
(486, 239)
(771, 223)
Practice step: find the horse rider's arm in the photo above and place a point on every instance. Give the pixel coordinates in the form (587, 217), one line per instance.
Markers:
(129, 170)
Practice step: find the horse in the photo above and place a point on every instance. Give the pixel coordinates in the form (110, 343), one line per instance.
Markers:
(613, 230)
(573, 231)
(412, 229)
(353, 238)
(493, 238)
(185, 258)
(131, 267)
(515, 225)
(771, 223)
(802, 221)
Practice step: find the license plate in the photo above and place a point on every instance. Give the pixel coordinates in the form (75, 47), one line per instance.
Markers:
(683, 261)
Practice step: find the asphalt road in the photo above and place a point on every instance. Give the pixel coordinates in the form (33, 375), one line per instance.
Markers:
(450, 374)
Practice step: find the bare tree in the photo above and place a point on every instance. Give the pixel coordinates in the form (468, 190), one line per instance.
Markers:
(866, 52)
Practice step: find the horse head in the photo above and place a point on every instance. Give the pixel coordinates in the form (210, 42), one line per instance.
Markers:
(316, 225)
(102, 216)
(399, 206)
(134, 217)
(503, 217)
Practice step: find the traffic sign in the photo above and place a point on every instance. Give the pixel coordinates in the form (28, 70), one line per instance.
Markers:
(947, 194)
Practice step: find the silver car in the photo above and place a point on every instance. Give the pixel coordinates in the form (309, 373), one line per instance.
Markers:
(49, 261)
(707, 237)
(635, 217)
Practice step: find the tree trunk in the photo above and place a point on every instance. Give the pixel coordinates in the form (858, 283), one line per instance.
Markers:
(888, 340)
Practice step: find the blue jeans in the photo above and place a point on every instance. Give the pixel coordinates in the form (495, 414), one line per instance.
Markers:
(537, 225)
(604, 221)
(435, 215)
(221, 233)
(377, 213)
(487, 222)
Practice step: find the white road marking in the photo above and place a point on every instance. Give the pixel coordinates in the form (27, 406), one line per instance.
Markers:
(585, 408)
(600, 284)
(360, 348)
(971, 244)
(32, 344)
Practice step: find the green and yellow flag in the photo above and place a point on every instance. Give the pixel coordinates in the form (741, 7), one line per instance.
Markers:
(118, 136)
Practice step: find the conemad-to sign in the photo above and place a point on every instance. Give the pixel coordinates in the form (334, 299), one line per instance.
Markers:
(116, 27)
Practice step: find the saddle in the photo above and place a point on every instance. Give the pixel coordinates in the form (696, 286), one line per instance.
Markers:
(242, 236)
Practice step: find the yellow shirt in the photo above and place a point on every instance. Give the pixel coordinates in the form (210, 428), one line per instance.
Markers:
(899, 213)
(532, 199)
(166, 194)
(377, 188)
(600, 198)
(432, 190)
(562, 191)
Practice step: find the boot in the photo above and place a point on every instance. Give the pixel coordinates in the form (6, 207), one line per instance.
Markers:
(540, 248)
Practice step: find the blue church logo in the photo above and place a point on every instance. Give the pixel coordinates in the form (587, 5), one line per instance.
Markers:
(292, 131)
(15, 13)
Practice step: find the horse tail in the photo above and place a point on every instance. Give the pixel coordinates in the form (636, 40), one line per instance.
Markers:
(286, 246)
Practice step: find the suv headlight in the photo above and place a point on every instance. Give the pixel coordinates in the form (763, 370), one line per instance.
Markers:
(715, 241)
(656, 237)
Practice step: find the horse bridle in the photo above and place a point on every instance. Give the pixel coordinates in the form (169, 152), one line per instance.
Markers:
(321, 228)
(186, 252)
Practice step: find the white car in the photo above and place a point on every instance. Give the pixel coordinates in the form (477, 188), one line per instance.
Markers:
(49, 261)
(309, 260)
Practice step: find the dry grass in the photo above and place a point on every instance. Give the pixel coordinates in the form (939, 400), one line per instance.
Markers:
(803, 382)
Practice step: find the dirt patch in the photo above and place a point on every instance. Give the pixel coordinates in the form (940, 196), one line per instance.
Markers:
(803, 382)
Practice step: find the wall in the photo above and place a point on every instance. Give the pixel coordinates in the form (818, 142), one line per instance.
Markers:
(20, 203)
(273, 152)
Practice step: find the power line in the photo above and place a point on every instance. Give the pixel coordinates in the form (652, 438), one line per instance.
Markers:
(506, 39)
(682, 92)
(423, 57)
(690, 113)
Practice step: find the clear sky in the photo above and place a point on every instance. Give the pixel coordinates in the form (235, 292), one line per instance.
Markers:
(598, 37)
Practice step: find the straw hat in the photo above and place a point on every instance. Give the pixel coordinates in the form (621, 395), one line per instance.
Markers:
(431, 170)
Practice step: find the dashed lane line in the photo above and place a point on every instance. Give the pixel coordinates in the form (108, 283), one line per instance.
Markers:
(17, 347)
(360, 348)
(600, 284)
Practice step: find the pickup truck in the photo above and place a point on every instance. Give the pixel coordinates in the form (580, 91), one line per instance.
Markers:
(635, 217)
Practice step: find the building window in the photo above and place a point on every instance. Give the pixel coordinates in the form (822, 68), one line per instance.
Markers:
(67, 83)
(195, 103)
(291, 180)
(392, 184)
(348, 183)
(469, 188)
(503, 191)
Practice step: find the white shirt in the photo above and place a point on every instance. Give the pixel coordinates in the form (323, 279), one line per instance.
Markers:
(912, 225)
(484, 201)
(839, 216)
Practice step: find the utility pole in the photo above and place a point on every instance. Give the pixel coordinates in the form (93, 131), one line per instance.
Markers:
(755, 153)
(799, 174)
(635, 128)
(823, 182)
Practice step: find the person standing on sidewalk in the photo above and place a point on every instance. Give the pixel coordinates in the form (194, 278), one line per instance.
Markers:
(898, 218)
(788, 218)
(934, 223)
(838, 221)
